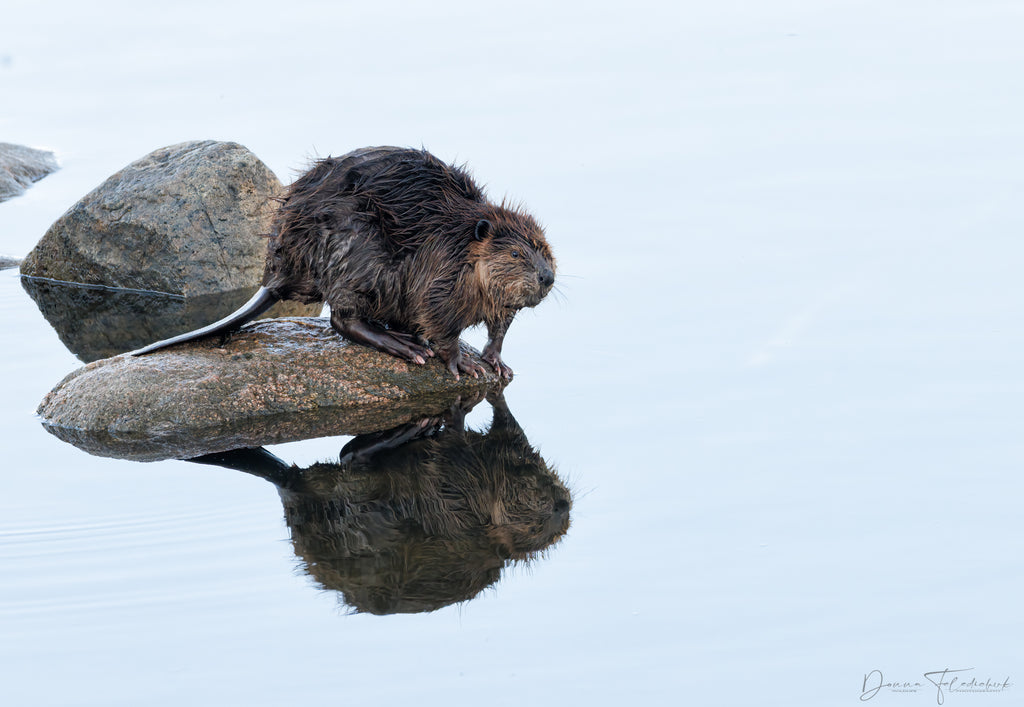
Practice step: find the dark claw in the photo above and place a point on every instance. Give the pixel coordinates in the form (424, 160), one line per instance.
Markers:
(499, 366)
(460, 364)
(471, 367)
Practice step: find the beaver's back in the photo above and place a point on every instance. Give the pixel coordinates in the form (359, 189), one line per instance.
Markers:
(349, 217)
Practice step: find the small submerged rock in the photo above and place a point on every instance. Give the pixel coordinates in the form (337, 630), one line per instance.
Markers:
(273, 381)
(21, 166)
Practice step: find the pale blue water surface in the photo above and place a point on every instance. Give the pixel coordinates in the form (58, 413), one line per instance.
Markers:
(783, 377)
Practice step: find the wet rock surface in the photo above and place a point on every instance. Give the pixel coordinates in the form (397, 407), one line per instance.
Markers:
(21, 166)
(188, 219)
(96, 322)
(271, 382)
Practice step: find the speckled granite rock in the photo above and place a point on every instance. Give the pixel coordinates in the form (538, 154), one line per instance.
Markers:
(274, 381)
(189, 219)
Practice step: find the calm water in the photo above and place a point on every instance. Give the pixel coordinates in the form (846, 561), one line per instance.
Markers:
(783, 378)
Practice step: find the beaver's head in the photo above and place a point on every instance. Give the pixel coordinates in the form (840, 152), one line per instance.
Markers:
(513, 261)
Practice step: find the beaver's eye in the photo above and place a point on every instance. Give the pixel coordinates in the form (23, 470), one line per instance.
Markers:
(515, 253)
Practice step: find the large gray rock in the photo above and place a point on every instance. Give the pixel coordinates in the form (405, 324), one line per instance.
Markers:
(189, 219)
(21, 166)
(273, 381)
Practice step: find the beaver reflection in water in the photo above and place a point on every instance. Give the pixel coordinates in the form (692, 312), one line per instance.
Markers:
(407, 251)
(421, 516)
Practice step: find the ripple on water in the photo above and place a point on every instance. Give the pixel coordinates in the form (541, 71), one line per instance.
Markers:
(131, 560)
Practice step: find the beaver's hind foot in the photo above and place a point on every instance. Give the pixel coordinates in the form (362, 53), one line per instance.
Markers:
(396, 343)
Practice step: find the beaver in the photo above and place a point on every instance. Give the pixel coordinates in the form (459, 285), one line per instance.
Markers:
(407, 251)
(420, 516)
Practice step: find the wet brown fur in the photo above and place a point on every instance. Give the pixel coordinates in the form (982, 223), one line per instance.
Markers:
(398, 239)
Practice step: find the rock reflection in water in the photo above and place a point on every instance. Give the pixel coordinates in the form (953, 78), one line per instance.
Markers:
(421, 516)
(96, 322)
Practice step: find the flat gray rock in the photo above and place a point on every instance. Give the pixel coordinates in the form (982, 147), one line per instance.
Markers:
(21, 166)
(273, 381)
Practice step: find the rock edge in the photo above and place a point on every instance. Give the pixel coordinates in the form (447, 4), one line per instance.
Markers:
(273, 381)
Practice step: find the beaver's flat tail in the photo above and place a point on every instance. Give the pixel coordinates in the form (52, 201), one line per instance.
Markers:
(257, 305)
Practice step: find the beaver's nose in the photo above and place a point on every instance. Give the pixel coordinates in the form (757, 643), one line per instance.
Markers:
(546, 277)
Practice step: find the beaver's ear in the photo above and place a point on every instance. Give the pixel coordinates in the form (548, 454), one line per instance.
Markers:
(483, 227)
